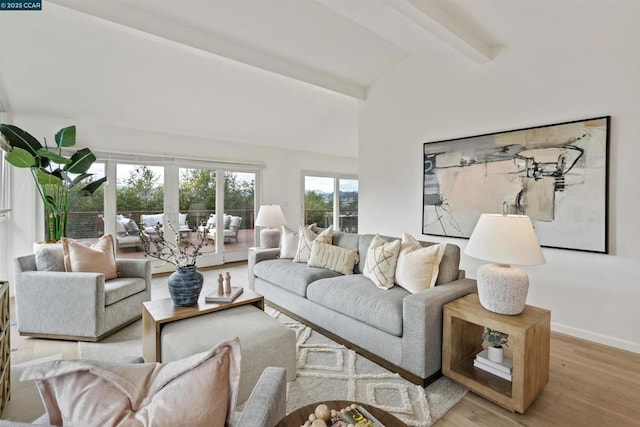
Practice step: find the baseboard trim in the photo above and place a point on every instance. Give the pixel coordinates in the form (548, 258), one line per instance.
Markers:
(595, 337)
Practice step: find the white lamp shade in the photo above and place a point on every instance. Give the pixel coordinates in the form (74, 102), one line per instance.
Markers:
(270, 216)
(505, 239)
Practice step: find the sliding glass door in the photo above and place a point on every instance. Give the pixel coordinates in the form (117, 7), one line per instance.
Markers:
(187, 195)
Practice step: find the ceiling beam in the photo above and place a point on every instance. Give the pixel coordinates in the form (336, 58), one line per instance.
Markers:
(133, 18)
(412, 26)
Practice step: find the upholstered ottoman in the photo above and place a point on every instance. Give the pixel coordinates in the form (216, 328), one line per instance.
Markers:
(264, 341)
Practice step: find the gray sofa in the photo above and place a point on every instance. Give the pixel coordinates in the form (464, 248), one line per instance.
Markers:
(398, 330)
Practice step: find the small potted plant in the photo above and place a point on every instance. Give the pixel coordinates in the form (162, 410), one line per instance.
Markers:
(496, 340)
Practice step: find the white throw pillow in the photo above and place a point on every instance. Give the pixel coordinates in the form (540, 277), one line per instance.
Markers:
(288, 242)
(334, 258)
(381, 261)
(305, 240)
(418, 266)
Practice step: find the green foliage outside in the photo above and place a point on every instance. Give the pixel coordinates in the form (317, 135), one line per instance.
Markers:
(143, 191)
(317, 208)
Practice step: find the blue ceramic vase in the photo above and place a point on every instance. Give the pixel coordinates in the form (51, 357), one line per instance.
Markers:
(185, 285)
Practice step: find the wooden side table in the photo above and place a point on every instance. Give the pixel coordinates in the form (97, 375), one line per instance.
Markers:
(529, 341)
(157, 313)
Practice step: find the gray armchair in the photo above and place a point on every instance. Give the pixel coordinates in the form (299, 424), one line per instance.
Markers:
(78, 306)
(265, 407)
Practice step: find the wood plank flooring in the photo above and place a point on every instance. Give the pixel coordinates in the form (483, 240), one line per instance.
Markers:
(589, 385)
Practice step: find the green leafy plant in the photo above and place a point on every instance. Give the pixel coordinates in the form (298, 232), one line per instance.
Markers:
(59, 178)
(495, 338)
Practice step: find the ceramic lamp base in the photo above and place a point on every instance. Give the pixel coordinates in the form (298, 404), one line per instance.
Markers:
(502, 288)
(270, 238)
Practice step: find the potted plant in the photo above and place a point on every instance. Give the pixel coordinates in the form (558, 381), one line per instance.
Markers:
(186, 282)
(496, 340)
(58, 177)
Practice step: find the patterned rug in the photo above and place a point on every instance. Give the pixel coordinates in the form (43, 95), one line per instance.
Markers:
(330, 371)
(326, 371)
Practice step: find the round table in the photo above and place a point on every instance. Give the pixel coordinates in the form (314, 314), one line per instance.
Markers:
(299, 416)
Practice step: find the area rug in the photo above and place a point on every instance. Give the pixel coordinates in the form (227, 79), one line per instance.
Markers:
(326, 371)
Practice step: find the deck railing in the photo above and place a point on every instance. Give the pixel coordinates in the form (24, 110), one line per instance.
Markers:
(86, 225)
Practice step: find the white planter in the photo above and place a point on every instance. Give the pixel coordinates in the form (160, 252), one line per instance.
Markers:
(496, 354)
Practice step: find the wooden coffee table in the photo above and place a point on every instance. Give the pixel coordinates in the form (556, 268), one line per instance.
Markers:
(157, 313)
(299, 416)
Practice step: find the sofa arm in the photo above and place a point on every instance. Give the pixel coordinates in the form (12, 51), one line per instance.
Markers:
(134, 268)
(77, 296)
(422, 325)
(255, 256)
(267, 403)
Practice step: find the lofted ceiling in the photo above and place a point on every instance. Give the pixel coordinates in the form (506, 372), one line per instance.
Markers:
(285, 73)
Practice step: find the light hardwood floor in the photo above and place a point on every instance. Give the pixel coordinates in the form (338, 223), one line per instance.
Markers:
(589, 384)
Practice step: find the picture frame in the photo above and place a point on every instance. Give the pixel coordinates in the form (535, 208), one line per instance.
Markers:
(556, 174)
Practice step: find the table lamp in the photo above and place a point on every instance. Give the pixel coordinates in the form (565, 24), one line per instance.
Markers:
(270, 216)
(504, 240)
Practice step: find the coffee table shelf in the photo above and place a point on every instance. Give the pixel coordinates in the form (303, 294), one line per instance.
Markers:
(529, 342)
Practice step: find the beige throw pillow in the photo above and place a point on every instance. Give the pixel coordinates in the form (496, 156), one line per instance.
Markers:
(306, 239)
(198, 391)
(418, 266)
(332, 257)
(380, 264)
(99, 258)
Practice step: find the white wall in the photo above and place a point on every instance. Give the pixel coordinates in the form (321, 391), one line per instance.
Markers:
(593, 296)
(281, 183)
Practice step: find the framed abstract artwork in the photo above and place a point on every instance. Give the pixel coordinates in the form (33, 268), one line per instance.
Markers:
(556, 174)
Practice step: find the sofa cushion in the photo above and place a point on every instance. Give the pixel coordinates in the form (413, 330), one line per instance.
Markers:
(130, 226)
(418, 266)
(307, 237)
(289, 275)
(200, 390)
(99, 258)
(333, 257)
(121, 288)
(150, 221)
(345, 240)
(355, 297)
(288, 242)
(50, 258)
(380, 265)
(449, 265)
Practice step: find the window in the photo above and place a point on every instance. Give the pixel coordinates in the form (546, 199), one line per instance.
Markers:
(86, 213)
(327, 197)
